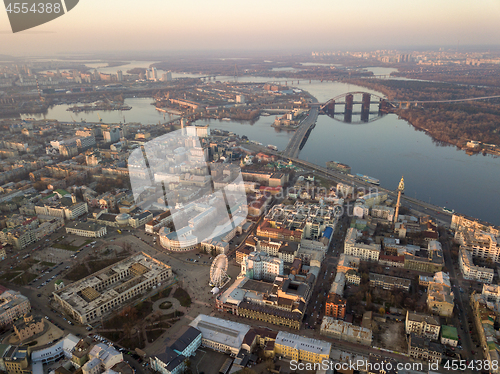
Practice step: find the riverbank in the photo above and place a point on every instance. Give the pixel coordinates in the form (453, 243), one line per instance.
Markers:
(448, 122)
(416, 121)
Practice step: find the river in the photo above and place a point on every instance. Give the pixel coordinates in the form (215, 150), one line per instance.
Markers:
(385, 149)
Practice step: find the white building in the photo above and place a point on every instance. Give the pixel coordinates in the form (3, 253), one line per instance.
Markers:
(492, 292)
(199, 131)
(382, 211)
(366, 252)
(423, 325)
(220, 334)
(105, 291)
(107, 355)
(471, 271)
(90, 230)
(261, 266)
(63, 348)
(482, 244)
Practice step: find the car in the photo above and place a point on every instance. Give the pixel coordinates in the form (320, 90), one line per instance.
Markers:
(39, 295)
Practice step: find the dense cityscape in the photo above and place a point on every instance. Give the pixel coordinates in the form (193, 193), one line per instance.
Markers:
(223, 212)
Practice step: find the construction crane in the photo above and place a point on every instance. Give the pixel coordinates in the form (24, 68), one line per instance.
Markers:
(100, 119)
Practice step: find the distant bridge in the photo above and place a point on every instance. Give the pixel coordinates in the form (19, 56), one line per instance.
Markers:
(347, 101)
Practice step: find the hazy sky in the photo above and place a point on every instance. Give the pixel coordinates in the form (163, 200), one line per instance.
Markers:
(109, 25)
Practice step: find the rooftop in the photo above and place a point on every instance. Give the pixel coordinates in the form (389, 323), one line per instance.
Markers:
(220, 330)
(303, 343)
(94, 290)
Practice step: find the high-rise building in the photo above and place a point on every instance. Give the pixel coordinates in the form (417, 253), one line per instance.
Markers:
(119, 76)
(154, 74)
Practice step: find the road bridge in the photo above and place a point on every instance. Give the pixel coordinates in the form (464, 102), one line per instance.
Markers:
(302, 133)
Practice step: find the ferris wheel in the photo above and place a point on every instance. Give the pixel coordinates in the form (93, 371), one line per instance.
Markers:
(218, 275)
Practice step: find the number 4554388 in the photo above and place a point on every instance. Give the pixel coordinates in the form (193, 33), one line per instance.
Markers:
(34, 8)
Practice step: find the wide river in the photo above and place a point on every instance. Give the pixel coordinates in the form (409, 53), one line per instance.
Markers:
(386, 149)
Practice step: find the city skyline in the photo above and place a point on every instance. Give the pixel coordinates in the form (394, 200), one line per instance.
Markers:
(280, 25)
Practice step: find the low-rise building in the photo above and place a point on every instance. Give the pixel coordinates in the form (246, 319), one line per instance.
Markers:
(220, 334)
(105, 291)
(242, 252)
(353, 277)
(89, 230)
(28, 326)
(440, 297)
(172, 360)
(17, 360)
(423, 325)
(296, 347)
(424, 349)
(63, 348)
(102, 356)
(12, 306)
(491, 292)
(389, 283)
(343, 330)
(353, 247)
(449, 335)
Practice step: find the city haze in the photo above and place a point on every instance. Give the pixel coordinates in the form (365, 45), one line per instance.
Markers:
(156, 25)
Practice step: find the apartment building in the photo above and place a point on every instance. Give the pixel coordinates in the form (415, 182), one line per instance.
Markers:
(481, 244)
(260, 266)
(353, 247)
(389, 283)
(12, 306)
(423, 349)
(423, 325)
(471, 271)
(335, 306)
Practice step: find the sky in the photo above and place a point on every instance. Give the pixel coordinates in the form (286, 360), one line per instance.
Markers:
(193, 25)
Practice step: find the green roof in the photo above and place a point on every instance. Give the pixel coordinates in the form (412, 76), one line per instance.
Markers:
(59, 281)
(62, 192)
(449, 332)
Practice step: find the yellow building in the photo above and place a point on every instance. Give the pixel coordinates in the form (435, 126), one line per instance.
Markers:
(28, 327)
(296, 347)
